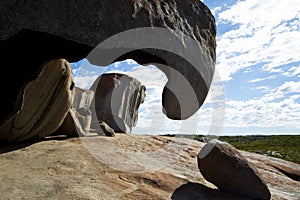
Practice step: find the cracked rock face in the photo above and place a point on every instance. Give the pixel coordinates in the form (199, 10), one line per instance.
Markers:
(65, 29)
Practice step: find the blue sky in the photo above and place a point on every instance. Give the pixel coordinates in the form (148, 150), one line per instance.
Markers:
(258, 63)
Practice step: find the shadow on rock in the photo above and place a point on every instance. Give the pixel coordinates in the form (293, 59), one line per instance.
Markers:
(8, 147)
(196, 191)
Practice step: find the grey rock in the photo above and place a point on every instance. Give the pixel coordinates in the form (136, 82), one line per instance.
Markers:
(70, 30)
(111, 105)
(76, 123)
(224, 166)
(117, 99)
(45, 104)
(80, 118)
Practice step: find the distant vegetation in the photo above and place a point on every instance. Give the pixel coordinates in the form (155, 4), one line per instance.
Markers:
(286, 147)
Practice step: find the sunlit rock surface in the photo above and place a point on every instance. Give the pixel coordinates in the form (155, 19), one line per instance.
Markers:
(124, 167)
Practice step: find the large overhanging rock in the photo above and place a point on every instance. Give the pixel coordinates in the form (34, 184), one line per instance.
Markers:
(33, 32)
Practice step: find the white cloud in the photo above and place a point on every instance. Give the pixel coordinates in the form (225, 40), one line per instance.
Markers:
(86, 73)
(216, 10)
(263, 88)
(148, 75)
(279, 10)
(262, 79)
(117, 64)
(130, 62)
(265, 32)
(278, 107)
(262, 114)
(289, 87)
(293, 71)
(75, 71)
(85, 82)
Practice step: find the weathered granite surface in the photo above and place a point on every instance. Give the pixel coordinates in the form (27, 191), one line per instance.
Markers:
(33, 32)
(124, 167)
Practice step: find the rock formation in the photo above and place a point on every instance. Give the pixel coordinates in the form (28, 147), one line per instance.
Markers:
(111, 105)
(117, 99)
(45, 103)
(80, 118)
(106, 168)
(221, 164)
(51, 103)
(34, 32)
(106, 129)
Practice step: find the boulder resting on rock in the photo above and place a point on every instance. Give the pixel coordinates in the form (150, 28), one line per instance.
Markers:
(224, 166)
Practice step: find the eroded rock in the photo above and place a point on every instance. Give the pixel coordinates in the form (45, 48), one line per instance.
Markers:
(70, 30)
(45, 104)
(80, 116)
(117, 100)
(111, 105)
(221, 164)
(108, 131)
